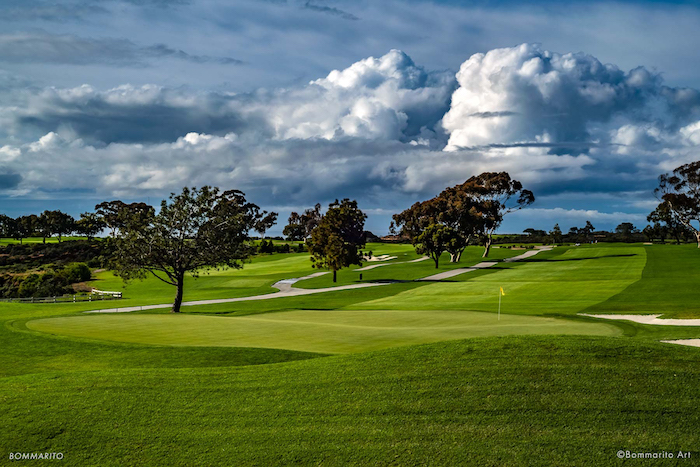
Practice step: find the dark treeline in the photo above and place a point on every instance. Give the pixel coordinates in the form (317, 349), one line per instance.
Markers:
(625, 232)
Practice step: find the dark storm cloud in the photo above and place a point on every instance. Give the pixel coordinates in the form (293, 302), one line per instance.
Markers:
(11, 11)
(134, 115)
(162, 50)
(329, 11)
(73, 50)
(9, 180)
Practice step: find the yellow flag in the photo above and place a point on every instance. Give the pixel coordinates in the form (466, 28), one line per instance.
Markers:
(502, 292)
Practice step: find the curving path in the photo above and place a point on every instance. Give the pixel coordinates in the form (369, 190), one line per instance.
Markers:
(286, 286)
(372, 266)
(486, 264)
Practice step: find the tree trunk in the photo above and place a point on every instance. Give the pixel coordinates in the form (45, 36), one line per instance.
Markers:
(487, 247)
(178, 298)
(456, 256)
(436, 258)
(335, 277)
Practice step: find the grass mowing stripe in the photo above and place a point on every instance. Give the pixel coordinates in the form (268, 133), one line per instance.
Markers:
(668, 285)
(561, 283)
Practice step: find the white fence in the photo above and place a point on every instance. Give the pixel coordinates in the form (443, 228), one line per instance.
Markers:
(95, 295)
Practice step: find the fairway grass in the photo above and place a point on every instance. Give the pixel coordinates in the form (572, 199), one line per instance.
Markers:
(563, 281)
(669, 285)
(311, 330)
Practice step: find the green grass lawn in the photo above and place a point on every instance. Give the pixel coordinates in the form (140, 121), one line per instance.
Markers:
(669, 285)
(252, 383)
(400, 270)
(561, 281)
(311, 330)
(529, 401)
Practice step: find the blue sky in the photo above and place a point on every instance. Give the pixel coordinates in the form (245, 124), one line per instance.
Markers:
(297, 102)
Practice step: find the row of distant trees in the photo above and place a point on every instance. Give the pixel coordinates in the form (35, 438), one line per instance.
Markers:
(669, 228)
(49, 224)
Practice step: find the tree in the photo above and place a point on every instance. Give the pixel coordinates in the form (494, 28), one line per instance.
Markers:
(465, 214)
(116, 213)
(8, 226)
(24, 226)
(664, 215)
(337, 240)
(43, 226)
(498, 195)
(436, 239)
(556, 234)
(90, 224)
(587, 231)
(626, 230)
(472, 210)
(194, 230)
(294, 230)
(56, 222)
(267, 220)
(300, 226)
(654, 231)
(680, 191)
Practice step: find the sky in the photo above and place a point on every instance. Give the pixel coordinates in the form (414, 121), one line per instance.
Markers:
(299, 102)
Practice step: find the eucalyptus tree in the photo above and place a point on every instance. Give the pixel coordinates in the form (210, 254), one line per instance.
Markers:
(193, 231)
(338, 238)
(300, 226)
(498, 195)
(472, 210)
(90, 224)
(663, 214)
(680, 190)
(115, 214)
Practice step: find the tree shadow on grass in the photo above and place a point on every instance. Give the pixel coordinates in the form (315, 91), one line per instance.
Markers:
(556, 260)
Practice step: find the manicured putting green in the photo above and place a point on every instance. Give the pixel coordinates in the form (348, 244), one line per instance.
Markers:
(311, 330)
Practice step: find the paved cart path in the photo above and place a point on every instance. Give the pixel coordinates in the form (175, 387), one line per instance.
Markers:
(286, 287)
(486, 264)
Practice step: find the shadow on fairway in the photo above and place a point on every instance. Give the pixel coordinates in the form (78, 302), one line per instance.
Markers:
(555, 260)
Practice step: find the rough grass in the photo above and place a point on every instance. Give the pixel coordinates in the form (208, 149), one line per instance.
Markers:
(530, 401)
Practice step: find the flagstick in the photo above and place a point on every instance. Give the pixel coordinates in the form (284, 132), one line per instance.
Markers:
(499, 304)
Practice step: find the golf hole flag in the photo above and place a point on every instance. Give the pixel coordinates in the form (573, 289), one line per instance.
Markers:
(499, 302)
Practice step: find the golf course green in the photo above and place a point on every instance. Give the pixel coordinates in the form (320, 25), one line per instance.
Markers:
(312, 330)
(409, 372)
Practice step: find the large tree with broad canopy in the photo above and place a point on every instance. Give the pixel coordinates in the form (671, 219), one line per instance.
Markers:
(195, 230)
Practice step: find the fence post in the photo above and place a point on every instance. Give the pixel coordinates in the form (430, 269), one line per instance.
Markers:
(73, 298)
(54, 299)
